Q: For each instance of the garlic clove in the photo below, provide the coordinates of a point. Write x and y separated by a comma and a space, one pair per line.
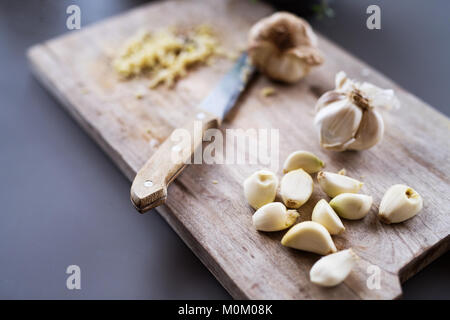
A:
274, 217
351, 206
370, 131
324, 214
309, 236
333, 269
284, 47
260, 188
399, 203
334, 184
295, 188
327, 98
338, 123
303, 160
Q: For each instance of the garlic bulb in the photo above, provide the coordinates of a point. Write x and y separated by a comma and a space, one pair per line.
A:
274, 217
331, 270
295, 188
347, 117
303, 160
260, 188
399, 203
352, 206
309, 236
284, 47
324, 214
334, 184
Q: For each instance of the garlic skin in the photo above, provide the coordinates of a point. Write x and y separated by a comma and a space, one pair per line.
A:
284, 47
260, 188
333, 269
351, 206
274, 217
295, 188
324, 214
309, 236
399, 203
303, 160
334, 184
347, 118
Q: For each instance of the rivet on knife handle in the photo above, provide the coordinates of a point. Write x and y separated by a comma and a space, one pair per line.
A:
149, 188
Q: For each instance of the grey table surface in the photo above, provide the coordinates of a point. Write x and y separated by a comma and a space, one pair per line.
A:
63, 202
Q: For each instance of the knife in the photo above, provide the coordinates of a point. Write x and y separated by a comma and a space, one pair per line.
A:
149, 188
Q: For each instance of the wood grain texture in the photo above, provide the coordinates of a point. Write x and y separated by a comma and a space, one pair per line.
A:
214, 219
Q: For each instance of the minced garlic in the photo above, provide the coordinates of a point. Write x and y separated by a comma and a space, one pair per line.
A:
165, 55
268, 91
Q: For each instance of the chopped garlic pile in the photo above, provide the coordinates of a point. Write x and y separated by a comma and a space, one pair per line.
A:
165, 55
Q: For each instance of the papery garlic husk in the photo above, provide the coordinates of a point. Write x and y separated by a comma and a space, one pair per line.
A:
303, 160
347, 117
260, 188
352, 206
295, 188
309, 236
331, 270
334, 184
399, 203
324, 214
274, 217
284, 47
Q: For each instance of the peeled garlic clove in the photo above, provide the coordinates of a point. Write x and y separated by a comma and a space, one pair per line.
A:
284, 47
296, 187
399, 203
324, 214
274, 217
303, 160
334, 184
351, 206
260, 188
309, 236
331, 270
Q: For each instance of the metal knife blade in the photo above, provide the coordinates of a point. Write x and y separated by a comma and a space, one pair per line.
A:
223, 97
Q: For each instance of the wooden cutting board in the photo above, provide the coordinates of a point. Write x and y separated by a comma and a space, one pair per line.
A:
214, 219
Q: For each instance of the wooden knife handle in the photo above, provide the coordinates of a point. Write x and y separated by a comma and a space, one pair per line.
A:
149, 188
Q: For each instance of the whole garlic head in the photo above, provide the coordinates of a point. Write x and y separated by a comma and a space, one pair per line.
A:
260, 188
347, 117
284, 47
